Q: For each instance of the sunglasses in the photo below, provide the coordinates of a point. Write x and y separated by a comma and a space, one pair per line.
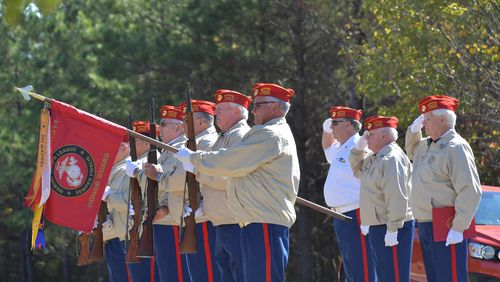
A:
257, 104
335, 122
164, 123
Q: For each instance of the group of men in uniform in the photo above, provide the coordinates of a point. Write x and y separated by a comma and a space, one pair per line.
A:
372, 180
249, 179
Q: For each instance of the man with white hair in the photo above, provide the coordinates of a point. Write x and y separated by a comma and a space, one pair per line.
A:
263, 180
444, 175
231, 117
341, 190
385, 174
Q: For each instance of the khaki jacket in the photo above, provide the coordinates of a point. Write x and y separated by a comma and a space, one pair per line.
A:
385, 186
117, 202
214, 187
168, 164
444, 174
263, 174
173, 178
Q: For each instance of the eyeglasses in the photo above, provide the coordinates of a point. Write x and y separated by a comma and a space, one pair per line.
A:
164, 123
335, 122
256, 105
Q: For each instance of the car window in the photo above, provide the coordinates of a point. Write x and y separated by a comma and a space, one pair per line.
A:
488, 212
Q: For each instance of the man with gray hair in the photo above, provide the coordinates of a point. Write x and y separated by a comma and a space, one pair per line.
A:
341, 190
263, 180
385, 174
231, 117
444, 175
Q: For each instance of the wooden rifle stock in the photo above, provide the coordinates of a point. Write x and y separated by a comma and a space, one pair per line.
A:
145, 249
83, 254
97, 244
188, 240
135, 197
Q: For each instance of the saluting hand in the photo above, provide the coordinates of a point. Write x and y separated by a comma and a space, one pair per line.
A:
327, 125
417, 124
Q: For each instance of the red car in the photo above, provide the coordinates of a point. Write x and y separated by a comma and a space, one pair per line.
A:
484, 249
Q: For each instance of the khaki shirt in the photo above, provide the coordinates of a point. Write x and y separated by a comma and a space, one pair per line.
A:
385, 186
168, 164
263, 173
214, 187
173, 179
117, 202
444, 174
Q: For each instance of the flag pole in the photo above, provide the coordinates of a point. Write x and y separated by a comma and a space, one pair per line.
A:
27, 93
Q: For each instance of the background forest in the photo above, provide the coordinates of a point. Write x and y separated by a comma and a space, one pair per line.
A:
110, 57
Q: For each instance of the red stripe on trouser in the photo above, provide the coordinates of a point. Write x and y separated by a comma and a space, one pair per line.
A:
207, 252
267, 248
152, 269
453, 263
363, 248
395, 261
177, 253
128, 273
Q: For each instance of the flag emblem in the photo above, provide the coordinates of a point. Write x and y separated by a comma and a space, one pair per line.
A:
73, 171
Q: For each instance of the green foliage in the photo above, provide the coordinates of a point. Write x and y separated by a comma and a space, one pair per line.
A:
110, 57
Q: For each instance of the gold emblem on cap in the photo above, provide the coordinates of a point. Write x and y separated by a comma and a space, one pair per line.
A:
265, 91
369, 125
423, 108
334, 114
256, 92
219, 97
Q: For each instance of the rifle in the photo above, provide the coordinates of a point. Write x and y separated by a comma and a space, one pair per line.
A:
97, 244
188, 236
83, 254
134, 197
145, 249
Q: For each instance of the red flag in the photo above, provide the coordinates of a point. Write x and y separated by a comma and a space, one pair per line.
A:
83, 149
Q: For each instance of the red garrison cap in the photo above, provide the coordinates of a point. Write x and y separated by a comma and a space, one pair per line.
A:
435, 102
142, 127
375, 122
172, 112
345, 112
273, 90
225, 95
201, 106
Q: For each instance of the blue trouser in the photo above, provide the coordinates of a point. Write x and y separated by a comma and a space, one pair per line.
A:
264, 250
392, 262
228, 252
172, 265
442, 263
146, 270
114, 255
202, 264
357, 259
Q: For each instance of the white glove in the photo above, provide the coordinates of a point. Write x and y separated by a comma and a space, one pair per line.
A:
454, 237
107, 191
391, 238
187, 210
364, 229
131, 167
327, 125
96, 222
107, 225
199, 211
417, 124
188, 167
362, 144
184, 155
